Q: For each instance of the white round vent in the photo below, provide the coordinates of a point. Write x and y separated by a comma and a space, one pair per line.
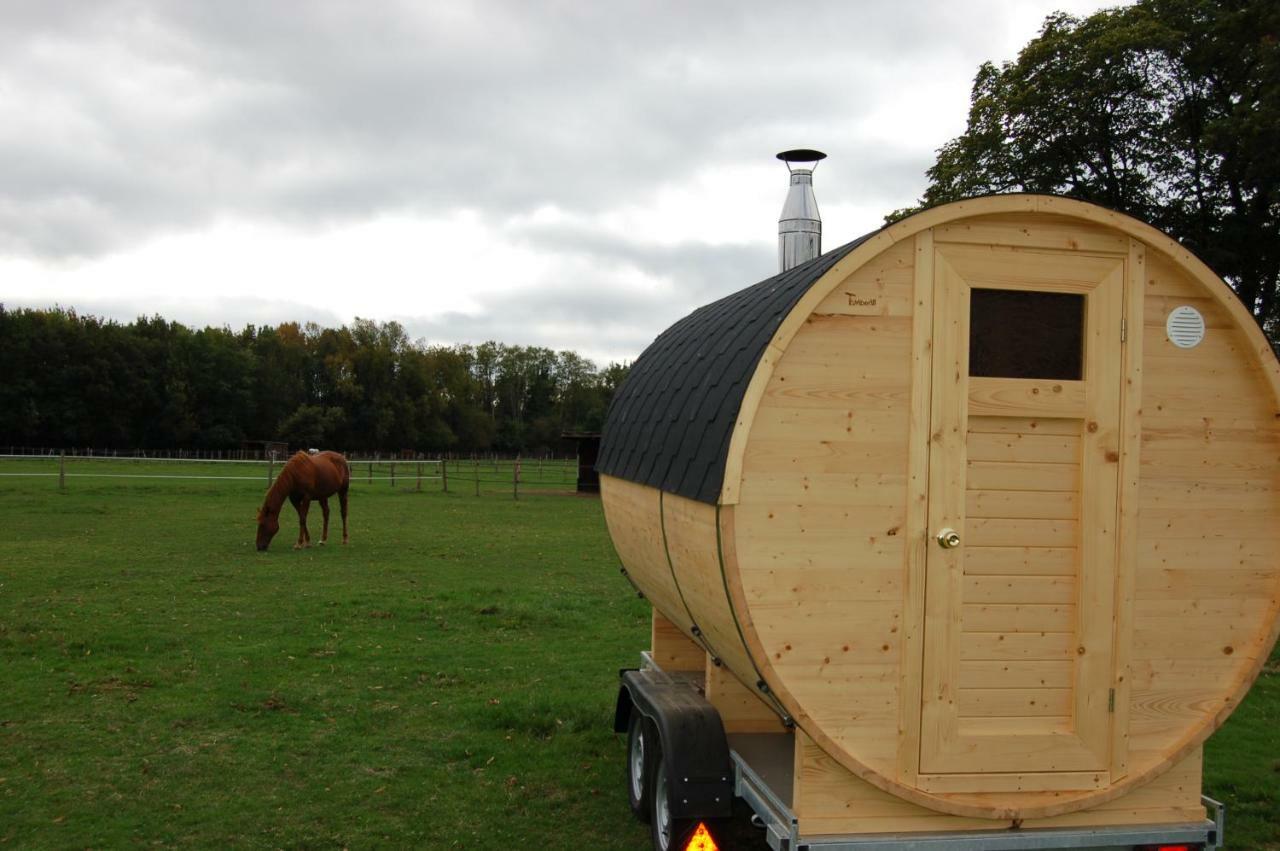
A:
1185, 327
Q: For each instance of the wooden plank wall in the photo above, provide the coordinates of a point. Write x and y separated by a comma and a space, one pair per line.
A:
829, 800
671, 649
695, 558
741, 709
822, 511
1209, 498
632, 515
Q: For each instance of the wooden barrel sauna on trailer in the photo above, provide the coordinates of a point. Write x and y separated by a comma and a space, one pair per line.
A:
976, 514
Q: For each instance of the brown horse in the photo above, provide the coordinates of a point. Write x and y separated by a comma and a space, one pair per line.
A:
304, 478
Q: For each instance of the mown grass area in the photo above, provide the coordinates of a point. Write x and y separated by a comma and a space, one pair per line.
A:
446, 680
1242, 765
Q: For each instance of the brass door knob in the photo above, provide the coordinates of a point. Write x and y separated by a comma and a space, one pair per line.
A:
948, 538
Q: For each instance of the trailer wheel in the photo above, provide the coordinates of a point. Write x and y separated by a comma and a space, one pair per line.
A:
668, 833
641, 745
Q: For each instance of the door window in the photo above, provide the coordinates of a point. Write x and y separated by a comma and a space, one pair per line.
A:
1026, 334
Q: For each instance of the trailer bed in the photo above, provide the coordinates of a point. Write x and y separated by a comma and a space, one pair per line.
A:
763, 777
762, 764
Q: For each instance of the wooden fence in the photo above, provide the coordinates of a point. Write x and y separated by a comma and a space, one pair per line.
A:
475, 475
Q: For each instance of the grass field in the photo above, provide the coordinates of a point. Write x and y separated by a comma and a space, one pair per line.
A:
446, 680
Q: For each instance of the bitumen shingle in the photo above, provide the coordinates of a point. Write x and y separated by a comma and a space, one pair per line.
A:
669, 423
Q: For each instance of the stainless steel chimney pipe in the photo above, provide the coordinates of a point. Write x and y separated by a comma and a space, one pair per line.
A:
800, 225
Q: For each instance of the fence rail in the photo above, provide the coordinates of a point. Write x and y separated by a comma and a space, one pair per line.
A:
475, 475
251, 455
150, 460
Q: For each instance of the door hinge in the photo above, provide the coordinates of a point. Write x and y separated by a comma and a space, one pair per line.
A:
1124, 330
1111, 700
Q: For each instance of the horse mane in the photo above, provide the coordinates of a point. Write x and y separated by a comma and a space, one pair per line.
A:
283, 484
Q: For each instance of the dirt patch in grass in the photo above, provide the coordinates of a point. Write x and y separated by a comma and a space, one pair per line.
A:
127, 690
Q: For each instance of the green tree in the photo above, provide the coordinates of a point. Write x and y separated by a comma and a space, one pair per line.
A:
21, 400
282, 376
153, 384
483, 361
526, 391
312, 426
220, 375
382, 419
453, 419
1168, 110
606, 384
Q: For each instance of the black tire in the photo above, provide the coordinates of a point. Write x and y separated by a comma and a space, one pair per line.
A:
641, 747
668, 834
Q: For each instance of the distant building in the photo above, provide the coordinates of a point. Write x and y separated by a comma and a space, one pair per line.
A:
588, 449
266, 448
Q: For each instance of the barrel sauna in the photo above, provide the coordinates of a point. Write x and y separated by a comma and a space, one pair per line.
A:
982, 505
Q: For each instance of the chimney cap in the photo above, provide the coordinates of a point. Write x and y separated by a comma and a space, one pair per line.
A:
802, 155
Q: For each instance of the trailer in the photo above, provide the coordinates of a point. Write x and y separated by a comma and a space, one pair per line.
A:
667, 713
960, 535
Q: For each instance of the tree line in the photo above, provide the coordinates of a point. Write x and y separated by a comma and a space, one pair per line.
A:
81, 381
1168, 110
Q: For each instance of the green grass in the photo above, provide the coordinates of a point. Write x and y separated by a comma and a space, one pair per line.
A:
1242, 765
446, 680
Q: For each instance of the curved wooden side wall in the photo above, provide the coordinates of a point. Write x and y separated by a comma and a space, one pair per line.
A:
634, 517
669, 546
809, 576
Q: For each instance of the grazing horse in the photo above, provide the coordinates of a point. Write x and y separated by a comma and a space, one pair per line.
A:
304, 478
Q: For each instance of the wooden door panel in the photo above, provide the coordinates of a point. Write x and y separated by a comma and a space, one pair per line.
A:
1023, 397
1019, 617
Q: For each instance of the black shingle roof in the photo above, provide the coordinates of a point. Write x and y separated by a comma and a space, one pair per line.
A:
670, 421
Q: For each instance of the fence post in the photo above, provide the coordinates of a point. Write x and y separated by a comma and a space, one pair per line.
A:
370, 472
444, 472
419, 487
477, 477
62, 471
393, 474
515, 479
271, 463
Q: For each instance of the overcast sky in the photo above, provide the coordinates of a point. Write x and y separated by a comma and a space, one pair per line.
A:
566, 174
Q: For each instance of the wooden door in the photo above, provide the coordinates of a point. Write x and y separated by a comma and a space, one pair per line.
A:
1025, 431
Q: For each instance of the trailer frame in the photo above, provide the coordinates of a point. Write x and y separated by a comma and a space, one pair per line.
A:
762, 774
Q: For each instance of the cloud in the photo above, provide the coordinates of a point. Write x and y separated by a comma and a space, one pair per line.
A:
450, 280
457, 158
